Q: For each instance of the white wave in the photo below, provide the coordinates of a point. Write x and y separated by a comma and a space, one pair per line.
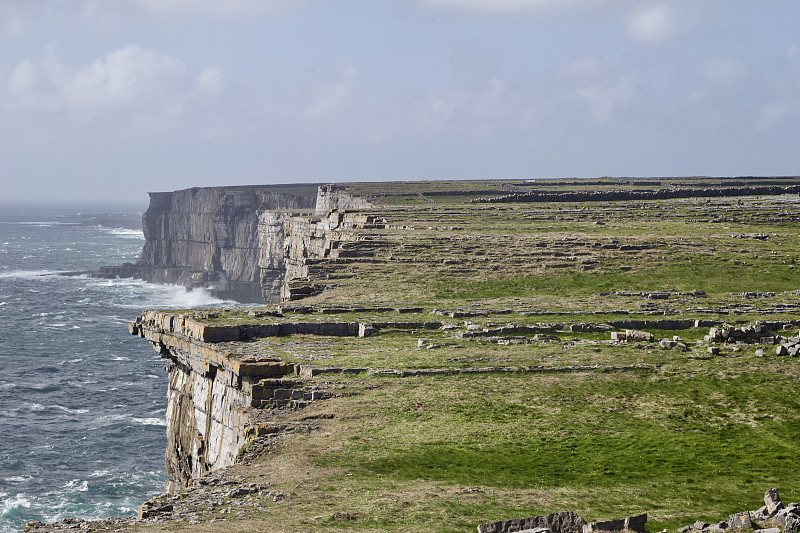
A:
3, 303
150, 421
152, 295
99, 473
198, 297
127, 233
35, 406
76, 485
12, 504
29, 274
17, 479
72, 411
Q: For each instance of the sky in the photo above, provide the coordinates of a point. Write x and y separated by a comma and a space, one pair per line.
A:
105, 100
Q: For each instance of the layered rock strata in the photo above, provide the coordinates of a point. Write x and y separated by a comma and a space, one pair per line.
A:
249, 244
209, 394
215, 394
214, 238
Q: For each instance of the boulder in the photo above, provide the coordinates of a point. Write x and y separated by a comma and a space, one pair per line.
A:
740, 521
563, 522
792, 523
773, 501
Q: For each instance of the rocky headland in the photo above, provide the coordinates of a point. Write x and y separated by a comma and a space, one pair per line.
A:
441, 356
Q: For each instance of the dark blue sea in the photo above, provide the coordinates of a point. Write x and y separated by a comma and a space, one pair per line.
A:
82, 403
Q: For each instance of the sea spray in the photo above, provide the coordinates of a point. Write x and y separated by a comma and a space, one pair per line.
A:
83, 403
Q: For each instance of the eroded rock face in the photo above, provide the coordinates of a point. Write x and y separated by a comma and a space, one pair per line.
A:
205, 421
214, 237
209, 394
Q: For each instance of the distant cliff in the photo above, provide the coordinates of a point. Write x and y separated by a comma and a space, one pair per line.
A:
247, 243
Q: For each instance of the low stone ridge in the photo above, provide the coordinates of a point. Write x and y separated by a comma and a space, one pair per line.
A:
661, 194
631, 523
564, 522
756, 334
773, 517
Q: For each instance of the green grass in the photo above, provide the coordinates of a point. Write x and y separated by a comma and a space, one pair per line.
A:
683, 273
703, 439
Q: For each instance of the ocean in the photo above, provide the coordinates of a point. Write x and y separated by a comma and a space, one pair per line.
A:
82, 402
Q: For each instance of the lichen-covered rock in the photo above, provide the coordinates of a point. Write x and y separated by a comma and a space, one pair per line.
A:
564, 522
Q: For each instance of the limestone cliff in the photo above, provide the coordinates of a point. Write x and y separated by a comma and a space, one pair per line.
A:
213, 238
250, 243
215, 397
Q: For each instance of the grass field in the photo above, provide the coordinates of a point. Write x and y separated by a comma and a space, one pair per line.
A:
685, 436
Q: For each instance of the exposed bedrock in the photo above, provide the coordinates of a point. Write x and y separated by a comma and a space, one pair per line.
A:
210, 395
250, 243
214, 238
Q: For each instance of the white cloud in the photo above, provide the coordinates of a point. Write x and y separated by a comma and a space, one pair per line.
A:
333, 92
583, 68
210, 80
217, 8
605, 99
130, 79
652, 25
774, 113
600, 83
11, 19
478, 110
723, 70
499, 6
16, 15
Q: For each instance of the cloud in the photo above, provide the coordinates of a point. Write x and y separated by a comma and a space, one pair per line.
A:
16, 15
128, 79
652, 25
600, 83
774, 113
498, 7
723, 70
11, 19
215, 8
604, 99
478, 110
332, 93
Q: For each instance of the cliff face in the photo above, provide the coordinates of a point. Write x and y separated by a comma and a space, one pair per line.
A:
250, 244
213, 238
215, 399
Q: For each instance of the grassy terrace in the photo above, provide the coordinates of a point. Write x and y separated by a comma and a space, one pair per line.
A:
685, 436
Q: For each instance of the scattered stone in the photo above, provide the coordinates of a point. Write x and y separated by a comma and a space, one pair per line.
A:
756, 334
631, 523
630, 335
773, 501
740, 521
564, 522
